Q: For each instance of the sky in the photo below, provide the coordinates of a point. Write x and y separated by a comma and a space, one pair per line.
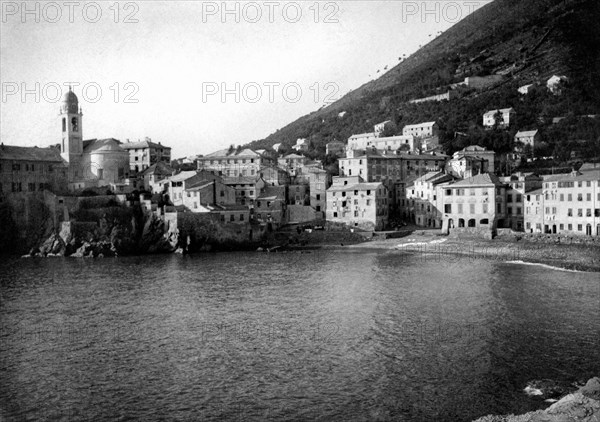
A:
197, 75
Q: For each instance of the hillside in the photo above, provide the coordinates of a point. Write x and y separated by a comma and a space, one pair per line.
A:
526, 41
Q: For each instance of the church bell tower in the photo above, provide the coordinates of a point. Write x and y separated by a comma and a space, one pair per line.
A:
71, 146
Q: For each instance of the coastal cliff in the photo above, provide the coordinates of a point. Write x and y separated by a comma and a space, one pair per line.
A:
106, 226
582, 405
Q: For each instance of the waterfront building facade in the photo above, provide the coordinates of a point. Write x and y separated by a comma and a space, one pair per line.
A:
518, 185
477, 202
423, 204
569, 204
356, 203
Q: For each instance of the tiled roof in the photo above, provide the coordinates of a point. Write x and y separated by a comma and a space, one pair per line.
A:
526, 133
11, 152
143, 144
484, 179
108, 144
565, 177
227, 153
356, 186
158, 168
179, 177
426, 124
241, 180
200, 185
502, 110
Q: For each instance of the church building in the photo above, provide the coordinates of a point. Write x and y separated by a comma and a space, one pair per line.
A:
93, 162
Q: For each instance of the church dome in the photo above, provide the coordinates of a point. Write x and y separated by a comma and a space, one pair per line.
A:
70, 103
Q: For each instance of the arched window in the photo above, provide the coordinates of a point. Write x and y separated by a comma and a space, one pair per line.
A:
461, 222
484, 221
472, 222
64, 124
74, 124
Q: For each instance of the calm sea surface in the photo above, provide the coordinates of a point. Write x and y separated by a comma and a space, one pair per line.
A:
328, 335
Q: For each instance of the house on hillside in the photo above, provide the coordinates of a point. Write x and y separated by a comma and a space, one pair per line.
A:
526, 89
301, 145
555, 84
421, 130
524, 138
505, 117
154, 174
471, 161
335, 148
145, 154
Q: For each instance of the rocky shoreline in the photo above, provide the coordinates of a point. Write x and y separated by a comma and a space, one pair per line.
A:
583, 405
121, 239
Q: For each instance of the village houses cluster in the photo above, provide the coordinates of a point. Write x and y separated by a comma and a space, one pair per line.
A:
382, 179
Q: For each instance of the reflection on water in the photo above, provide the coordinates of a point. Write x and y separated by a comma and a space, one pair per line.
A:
319, 336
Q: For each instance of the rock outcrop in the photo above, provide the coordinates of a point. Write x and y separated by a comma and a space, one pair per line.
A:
582, 406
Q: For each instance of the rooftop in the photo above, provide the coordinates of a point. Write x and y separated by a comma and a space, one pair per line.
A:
484, 179
11, 152
143, 144
355, 186
158, 168
425, 124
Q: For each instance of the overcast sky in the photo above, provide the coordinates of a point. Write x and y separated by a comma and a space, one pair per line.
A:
157, 69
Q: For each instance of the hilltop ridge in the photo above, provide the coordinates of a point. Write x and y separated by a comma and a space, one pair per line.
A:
525, 42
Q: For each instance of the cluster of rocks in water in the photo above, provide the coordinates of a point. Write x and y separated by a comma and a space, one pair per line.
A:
582, 405
109, 239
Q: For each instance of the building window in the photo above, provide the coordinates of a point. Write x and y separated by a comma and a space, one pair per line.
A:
471, 208
448, 208
570, 212
580, 212
570, 227
588, 212
241, 217
569, 197
232, 217
579, 226
509, 210
335, 215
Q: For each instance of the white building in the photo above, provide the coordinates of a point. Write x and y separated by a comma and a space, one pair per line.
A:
421, 130
301, 145
555, 83
506, 117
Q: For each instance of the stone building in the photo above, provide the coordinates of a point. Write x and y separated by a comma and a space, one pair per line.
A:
145, 154
355, 203
568, 204
31, 169
475, 203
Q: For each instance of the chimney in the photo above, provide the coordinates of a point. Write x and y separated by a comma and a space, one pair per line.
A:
214, 192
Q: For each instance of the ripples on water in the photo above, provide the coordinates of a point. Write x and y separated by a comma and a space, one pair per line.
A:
322, 336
